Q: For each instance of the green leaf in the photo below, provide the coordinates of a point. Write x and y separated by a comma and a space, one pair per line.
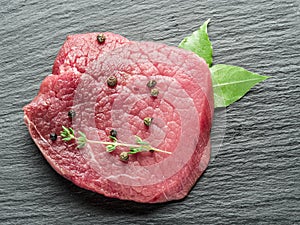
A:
199, 43
71, 131
140, 141
65, 129
67, 133
134, 150
64, 132
82, 134
67, 139
81, 145
81, 140
230, 83
110, 148
114, 139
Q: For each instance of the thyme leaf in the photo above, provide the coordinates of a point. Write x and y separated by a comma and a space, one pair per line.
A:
68, 134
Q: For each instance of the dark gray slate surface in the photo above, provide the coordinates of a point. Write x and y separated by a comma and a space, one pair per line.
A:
255, 177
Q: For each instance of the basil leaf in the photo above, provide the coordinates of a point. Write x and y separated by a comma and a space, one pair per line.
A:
199, 43
230, 83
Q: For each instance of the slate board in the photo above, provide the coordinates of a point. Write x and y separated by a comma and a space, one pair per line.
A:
254, 178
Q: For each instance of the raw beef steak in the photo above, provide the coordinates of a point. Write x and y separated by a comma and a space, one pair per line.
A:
80, 50
182, 114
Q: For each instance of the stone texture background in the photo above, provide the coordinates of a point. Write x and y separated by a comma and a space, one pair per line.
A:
254, 178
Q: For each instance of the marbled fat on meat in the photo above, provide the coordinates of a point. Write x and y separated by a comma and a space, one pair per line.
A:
182, 115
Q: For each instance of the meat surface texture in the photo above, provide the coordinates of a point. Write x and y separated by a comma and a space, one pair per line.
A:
80, 50
182, 116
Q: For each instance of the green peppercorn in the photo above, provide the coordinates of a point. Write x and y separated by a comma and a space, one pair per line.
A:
113, 133
71, 114
124, 156
53, 136
101, 38
154, 92
148, 121
112, 81
151, 83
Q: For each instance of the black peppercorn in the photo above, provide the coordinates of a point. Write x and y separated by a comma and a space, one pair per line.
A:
113, 133
53, 136
71, 114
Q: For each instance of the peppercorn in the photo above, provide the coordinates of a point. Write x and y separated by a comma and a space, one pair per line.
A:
124, 156
148, 121
112, 81
101, 38
154, 92
71, 114
151, 83
113, 133
53, 136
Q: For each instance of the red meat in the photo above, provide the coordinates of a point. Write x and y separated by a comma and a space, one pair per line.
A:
182, 115
80, 50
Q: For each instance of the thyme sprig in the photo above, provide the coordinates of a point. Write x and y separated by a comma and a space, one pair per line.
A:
68, 134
